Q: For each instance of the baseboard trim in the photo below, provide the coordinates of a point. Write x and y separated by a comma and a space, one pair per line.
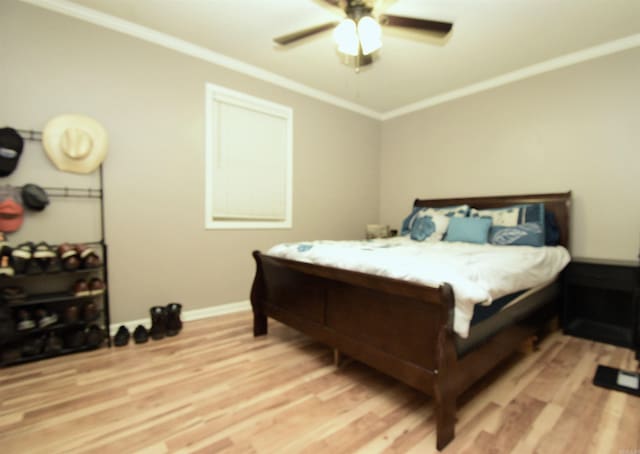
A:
188, 316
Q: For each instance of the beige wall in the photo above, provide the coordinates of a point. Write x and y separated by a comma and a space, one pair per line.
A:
573, 129
570, 129
151, 101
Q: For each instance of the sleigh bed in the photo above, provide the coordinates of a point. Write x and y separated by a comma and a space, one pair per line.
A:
402, 328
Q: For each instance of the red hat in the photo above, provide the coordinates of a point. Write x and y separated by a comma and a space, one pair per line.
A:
11, 215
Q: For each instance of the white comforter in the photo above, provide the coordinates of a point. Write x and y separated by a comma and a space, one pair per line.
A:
478, 273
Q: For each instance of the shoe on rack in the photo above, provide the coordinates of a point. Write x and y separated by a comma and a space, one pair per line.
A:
92, 261
96, 286
158, 322
90, 312
81, 288
24, 321
7, 325
74, 338
70, 314
5, 267
140, 334
68, 257
70, 263
94, 336
88, 256
174, 324
55, 265
33, 346
45, 318
21, 257
53, 344
65, 250
43, 254
11, 353
122, 337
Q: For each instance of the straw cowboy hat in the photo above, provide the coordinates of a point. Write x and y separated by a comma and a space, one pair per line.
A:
75, 143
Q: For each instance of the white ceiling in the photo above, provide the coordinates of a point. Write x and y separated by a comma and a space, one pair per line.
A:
491, 40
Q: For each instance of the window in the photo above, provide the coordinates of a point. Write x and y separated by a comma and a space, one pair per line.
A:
249, 160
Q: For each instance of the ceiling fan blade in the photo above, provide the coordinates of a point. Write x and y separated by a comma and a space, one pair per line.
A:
419, 24
295, 36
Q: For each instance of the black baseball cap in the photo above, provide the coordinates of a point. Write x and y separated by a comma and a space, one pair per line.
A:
11, 144
34, 197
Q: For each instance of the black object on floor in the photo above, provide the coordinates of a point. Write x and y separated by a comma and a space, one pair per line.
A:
158, 322
122, 336
94, 336
174, 324
140, 334
608, 377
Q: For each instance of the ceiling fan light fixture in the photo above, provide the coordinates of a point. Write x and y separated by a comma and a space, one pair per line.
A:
358, 36
346, 36
370, 35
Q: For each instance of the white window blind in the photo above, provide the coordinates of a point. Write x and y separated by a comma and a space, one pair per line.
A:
249, 168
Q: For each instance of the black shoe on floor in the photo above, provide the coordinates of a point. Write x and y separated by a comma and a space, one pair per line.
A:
174, 324
140, 334
122, 337
158, 322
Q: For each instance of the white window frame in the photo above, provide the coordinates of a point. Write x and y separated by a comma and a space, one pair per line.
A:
215, 96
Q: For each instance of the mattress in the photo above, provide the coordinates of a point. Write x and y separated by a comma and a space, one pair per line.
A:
513, 308
477, 273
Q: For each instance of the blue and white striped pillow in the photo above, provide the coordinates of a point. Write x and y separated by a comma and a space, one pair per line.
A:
522, 225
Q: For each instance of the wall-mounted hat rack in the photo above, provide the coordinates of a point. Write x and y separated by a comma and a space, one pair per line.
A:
30, 134
85, 193
82, 193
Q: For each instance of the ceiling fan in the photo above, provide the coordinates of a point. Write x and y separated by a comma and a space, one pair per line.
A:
358, 34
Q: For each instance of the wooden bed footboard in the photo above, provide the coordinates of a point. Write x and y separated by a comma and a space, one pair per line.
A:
401, 328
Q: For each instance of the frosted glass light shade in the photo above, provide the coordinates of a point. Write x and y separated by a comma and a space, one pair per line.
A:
370, 35
346, 36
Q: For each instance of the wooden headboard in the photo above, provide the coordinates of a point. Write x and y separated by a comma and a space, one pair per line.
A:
559, 204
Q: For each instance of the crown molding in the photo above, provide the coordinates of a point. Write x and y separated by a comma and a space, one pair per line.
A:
563, 61
110, 22
71, 9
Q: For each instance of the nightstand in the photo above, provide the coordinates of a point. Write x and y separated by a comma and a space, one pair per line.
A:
602, 301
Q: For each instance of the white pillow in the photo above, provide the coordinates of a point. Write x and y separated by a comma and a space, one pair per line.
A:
507, 217
428, 226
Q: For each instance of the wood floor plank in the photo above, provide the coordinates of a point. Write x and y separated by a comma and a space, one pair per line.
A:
216, 388
541, 426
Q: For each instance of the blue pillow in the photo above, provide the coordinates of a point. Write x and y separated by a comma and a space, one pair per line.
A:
469, 230
449, 211
406, 224
527, 234
512, 217
533, 212
422, 228
519, 214
551, 229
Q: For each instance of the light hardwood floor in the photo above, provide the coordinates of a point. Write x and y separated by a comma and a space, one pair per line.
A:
214, 388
